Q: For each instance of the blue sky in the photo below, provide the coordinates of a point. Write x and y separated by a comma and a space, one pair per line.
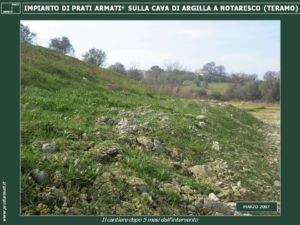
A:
242, 46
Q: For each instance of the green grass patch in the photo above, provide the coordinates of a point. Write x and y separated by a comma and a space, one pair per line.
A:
61, 101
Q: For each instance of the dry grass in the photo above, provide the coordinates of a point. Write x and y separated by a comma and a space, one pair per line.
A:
267, 112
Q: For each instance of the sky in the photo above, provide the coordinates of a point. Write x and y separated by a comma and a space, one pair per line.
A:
241, 46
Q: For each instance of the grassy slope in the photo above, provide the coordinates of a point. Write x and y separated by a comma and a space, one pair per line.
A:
59, 105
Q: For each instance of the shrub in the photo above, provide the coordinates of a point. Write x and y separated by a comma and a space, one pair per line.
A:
134, 74
26, 34
117, 67
247, 91
62, 45
201, 92
270, 87
216, 95
95, 56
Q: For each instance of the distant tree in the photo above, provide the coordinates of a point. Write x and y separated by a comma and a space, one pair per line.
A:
117, 67
156, 69
242, 78
209, 68
134, 73
220, 70
175, 75
232, 92
270, 87
198, 80
213, 72
250, 91
244, 91
155, 74
26, 34
95, 56
62, 45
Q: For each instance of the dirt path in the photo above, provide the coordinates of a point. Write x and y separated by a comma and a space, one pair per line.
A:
270, 115
266, 112
273, 141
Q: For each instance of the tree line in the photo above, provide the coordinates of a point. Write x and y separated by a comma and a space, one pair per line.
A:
243, 86
64, 46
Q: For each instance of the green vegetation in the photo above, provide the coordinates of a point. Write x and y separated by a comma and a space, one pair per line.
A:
121, 148
190, 87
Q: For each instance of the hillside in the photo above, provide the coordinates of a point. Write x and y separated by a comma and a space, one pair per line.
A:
94, 142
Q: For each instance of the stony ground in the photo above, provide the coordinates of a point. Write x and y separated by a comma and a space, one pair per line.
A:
209, 188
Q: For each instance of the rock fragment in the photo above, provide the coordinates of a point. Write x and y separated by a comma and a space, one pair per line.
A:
216, 146
49, 147
152, 145
200, 171
128, 126
214, 206
138, 184
39, 176
146, 142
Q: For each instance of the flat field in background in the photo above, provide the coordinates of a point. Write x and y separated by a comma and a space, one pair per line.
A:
189, 86
267, 112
